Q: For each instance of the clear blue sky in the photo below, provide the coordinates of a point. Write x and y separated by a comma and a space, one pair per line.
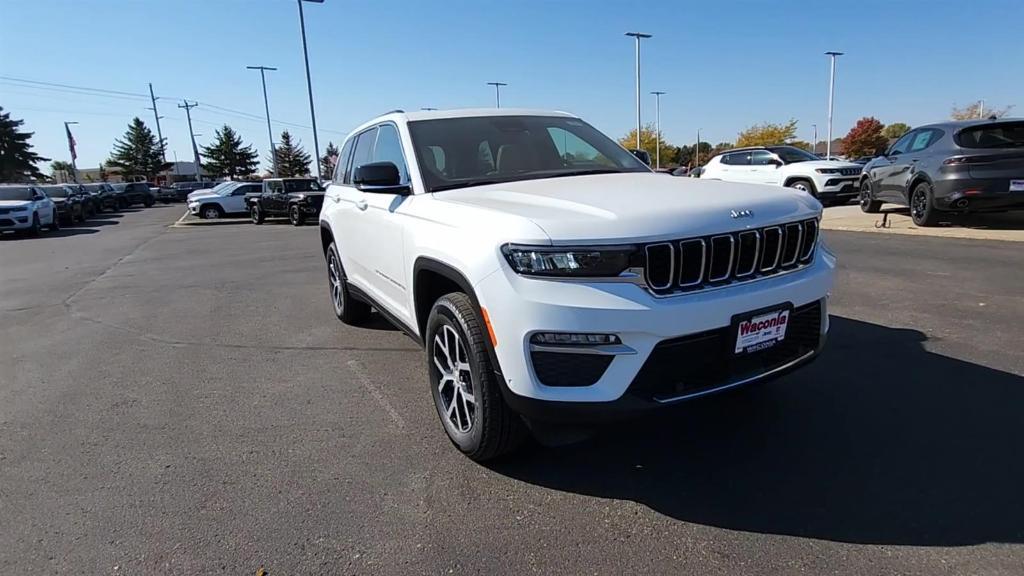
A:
725, 65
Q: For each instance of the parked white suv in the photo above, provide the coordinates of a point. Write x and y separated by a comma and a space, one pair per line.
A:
26, 208
552, 276
223, 200
829, 181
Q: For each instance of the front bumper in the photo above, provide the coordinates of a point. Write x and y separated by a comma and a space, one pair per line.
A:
519, 306
836, 187
193, 208
16, 221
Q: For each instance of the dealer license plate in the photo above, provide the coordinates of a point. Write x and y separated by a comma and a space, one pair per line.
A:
1016, 185
762, 331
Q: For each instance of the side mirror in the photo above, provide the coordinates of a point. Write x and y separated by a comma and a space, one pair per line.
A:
775, 162
379, 177
642, 155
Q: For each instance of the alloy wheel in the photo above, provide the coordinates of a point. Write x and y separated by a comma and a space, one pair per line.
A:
919, 203
211, 214
337, 288
454, 379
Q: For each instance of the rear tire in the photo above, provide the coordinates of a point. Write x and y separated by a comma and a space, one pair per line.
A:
295, 216
867, 201
55, 221
81, 214
346, 308
256, 214
148, 203
463, 384
922, 210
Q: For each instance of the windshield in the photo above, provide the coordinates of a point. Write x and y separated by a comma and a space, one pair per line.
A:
1001, 135
56, 191
15, 193
790, 154
460, 152
302, 186
119, 187
226, 188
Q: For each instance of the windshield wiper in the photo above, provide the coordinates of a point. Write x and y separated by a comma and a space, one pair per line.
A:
465, 184
580, 173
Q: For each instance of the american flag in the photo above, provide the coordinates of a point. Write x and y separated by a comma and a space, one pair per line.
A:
71, 143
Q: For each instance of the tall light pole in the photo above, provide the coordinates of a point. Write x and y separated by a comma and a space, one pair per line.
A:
309, 82
696, 151
195, 149
638, 36
157, 117
71, 149
497, 92
266, 106
814, 140
831, 93
657, 127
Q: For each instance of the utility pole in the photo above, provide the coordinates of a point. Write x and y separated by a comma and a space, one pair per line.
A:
309, 83
71, 148
497, 92
195, 150
696, 152
157, 117
266, 106
981, 109
831, 92
657, 126
638, 36
814, 140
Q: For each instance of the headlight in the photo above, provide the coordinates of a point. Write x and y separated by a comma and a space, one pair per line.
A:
577, 261
827, 170
19, 209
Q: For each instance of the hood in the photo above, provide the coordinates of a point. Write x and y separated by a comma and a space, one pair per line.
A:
14, 203
637, 207
827, 164
202, 194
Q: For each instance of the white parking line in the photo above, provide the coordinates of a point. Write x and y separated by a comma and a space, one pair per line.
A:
177, 223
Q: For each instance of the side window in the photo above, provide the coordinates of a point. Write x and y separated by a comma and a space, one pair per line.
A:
389, 149
761, 158
737, 159
275, 186
364, 149
573, 150
341, 167
901, 145
924, 139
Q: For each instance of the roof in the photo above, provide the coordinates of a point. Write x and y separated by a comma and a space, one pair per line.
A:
416, 115
968, 123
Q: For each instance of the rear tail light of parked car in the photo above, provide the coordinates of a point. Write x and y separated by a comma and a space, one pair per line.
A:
677, 266
962, 160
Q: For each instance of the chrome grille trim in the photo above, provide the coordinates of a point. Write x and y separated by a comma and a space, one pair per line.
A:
715, 256
700, 269
671, 265
778, 249
810, 231
785, 240
739, 253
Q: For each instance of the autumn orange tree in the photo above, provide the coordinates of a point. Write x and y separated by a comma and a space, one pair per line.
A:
865, 138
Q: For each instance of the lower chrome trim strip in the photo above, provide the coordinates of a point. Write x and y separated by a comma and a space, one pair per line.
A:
785, 366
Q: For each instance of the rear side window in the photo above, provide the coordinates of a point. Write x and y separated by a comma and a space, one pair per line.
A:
995, 135
925, 138
761, 158
737, 159
364, 149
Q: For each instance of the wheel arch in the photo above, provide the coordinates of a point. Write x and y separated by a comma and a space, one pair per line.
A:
326, 236
790, 179
206, 205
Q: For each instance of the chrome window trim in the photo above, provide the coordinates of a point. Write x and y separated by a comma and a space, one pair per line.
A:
757, 247
671, 265
703, 261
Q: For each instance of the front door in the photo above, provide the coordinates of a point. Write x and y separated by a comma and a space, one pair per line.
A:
764, 168
892, 173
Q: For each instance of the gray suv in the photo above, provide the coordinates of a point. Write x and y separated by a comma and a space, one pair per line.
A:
953, 167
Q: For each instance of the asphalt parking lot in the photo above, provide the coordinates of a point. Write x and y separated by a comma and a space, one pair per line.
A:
182, 400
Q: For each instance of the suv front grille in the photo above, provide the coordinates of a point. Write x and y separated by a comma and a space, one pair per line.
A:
850, 171
697, 263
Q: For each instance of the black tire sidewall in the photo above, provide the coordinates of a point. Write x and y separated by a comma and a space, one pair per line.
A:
445, 313
928, 217
255, 215
295, 215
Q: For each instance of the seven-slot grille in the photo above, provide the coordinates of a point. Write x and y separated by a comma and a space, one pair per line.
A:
697, 263
850, 171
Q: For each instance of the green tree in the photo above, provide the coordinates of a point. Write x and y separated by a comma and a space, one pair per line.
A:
228, 156
17, 160
648, 142
328, 161
865, 138
292, 160
767, 134
977, 110
895, 130
61, 170
138, 153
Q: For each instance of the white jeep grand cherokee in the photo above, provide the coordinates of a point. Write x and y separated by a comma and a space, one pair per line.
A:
551, 276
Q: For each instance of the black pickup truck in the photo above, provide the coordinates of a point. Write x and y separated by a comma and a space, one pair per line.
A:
296, 198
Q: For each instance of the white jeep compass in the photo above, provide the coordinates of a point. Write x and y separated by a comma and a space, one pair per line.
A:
551, 276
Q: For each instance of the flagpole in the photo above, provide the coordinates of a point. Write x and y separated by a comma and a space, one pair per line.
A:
71, 148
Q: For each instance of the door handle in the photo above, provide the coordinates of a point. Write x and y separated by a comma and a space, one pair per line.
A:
336, 198
361, 204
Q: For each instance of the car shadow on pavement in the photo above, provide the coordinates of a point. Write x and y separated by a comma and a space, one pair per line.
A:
879, 442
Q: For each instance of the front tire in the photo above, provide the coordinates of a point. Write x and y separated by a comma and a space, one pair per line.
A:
346, 308
256, 214
867, 201
54, 221
211, 212
295, 216
463, 383
922, 210
805, 185
37, 227
148, 202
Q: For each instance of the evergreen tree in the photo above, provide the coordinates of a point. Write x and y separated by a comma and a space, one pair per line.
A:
328, 161
138, 153
17, 160
292, 160
228, 156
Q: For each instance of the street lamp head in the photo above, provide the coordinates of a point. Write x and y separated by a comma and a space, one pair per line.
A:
638, 35
314, 1
658, 93
260, 68
497, 84
833, 53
